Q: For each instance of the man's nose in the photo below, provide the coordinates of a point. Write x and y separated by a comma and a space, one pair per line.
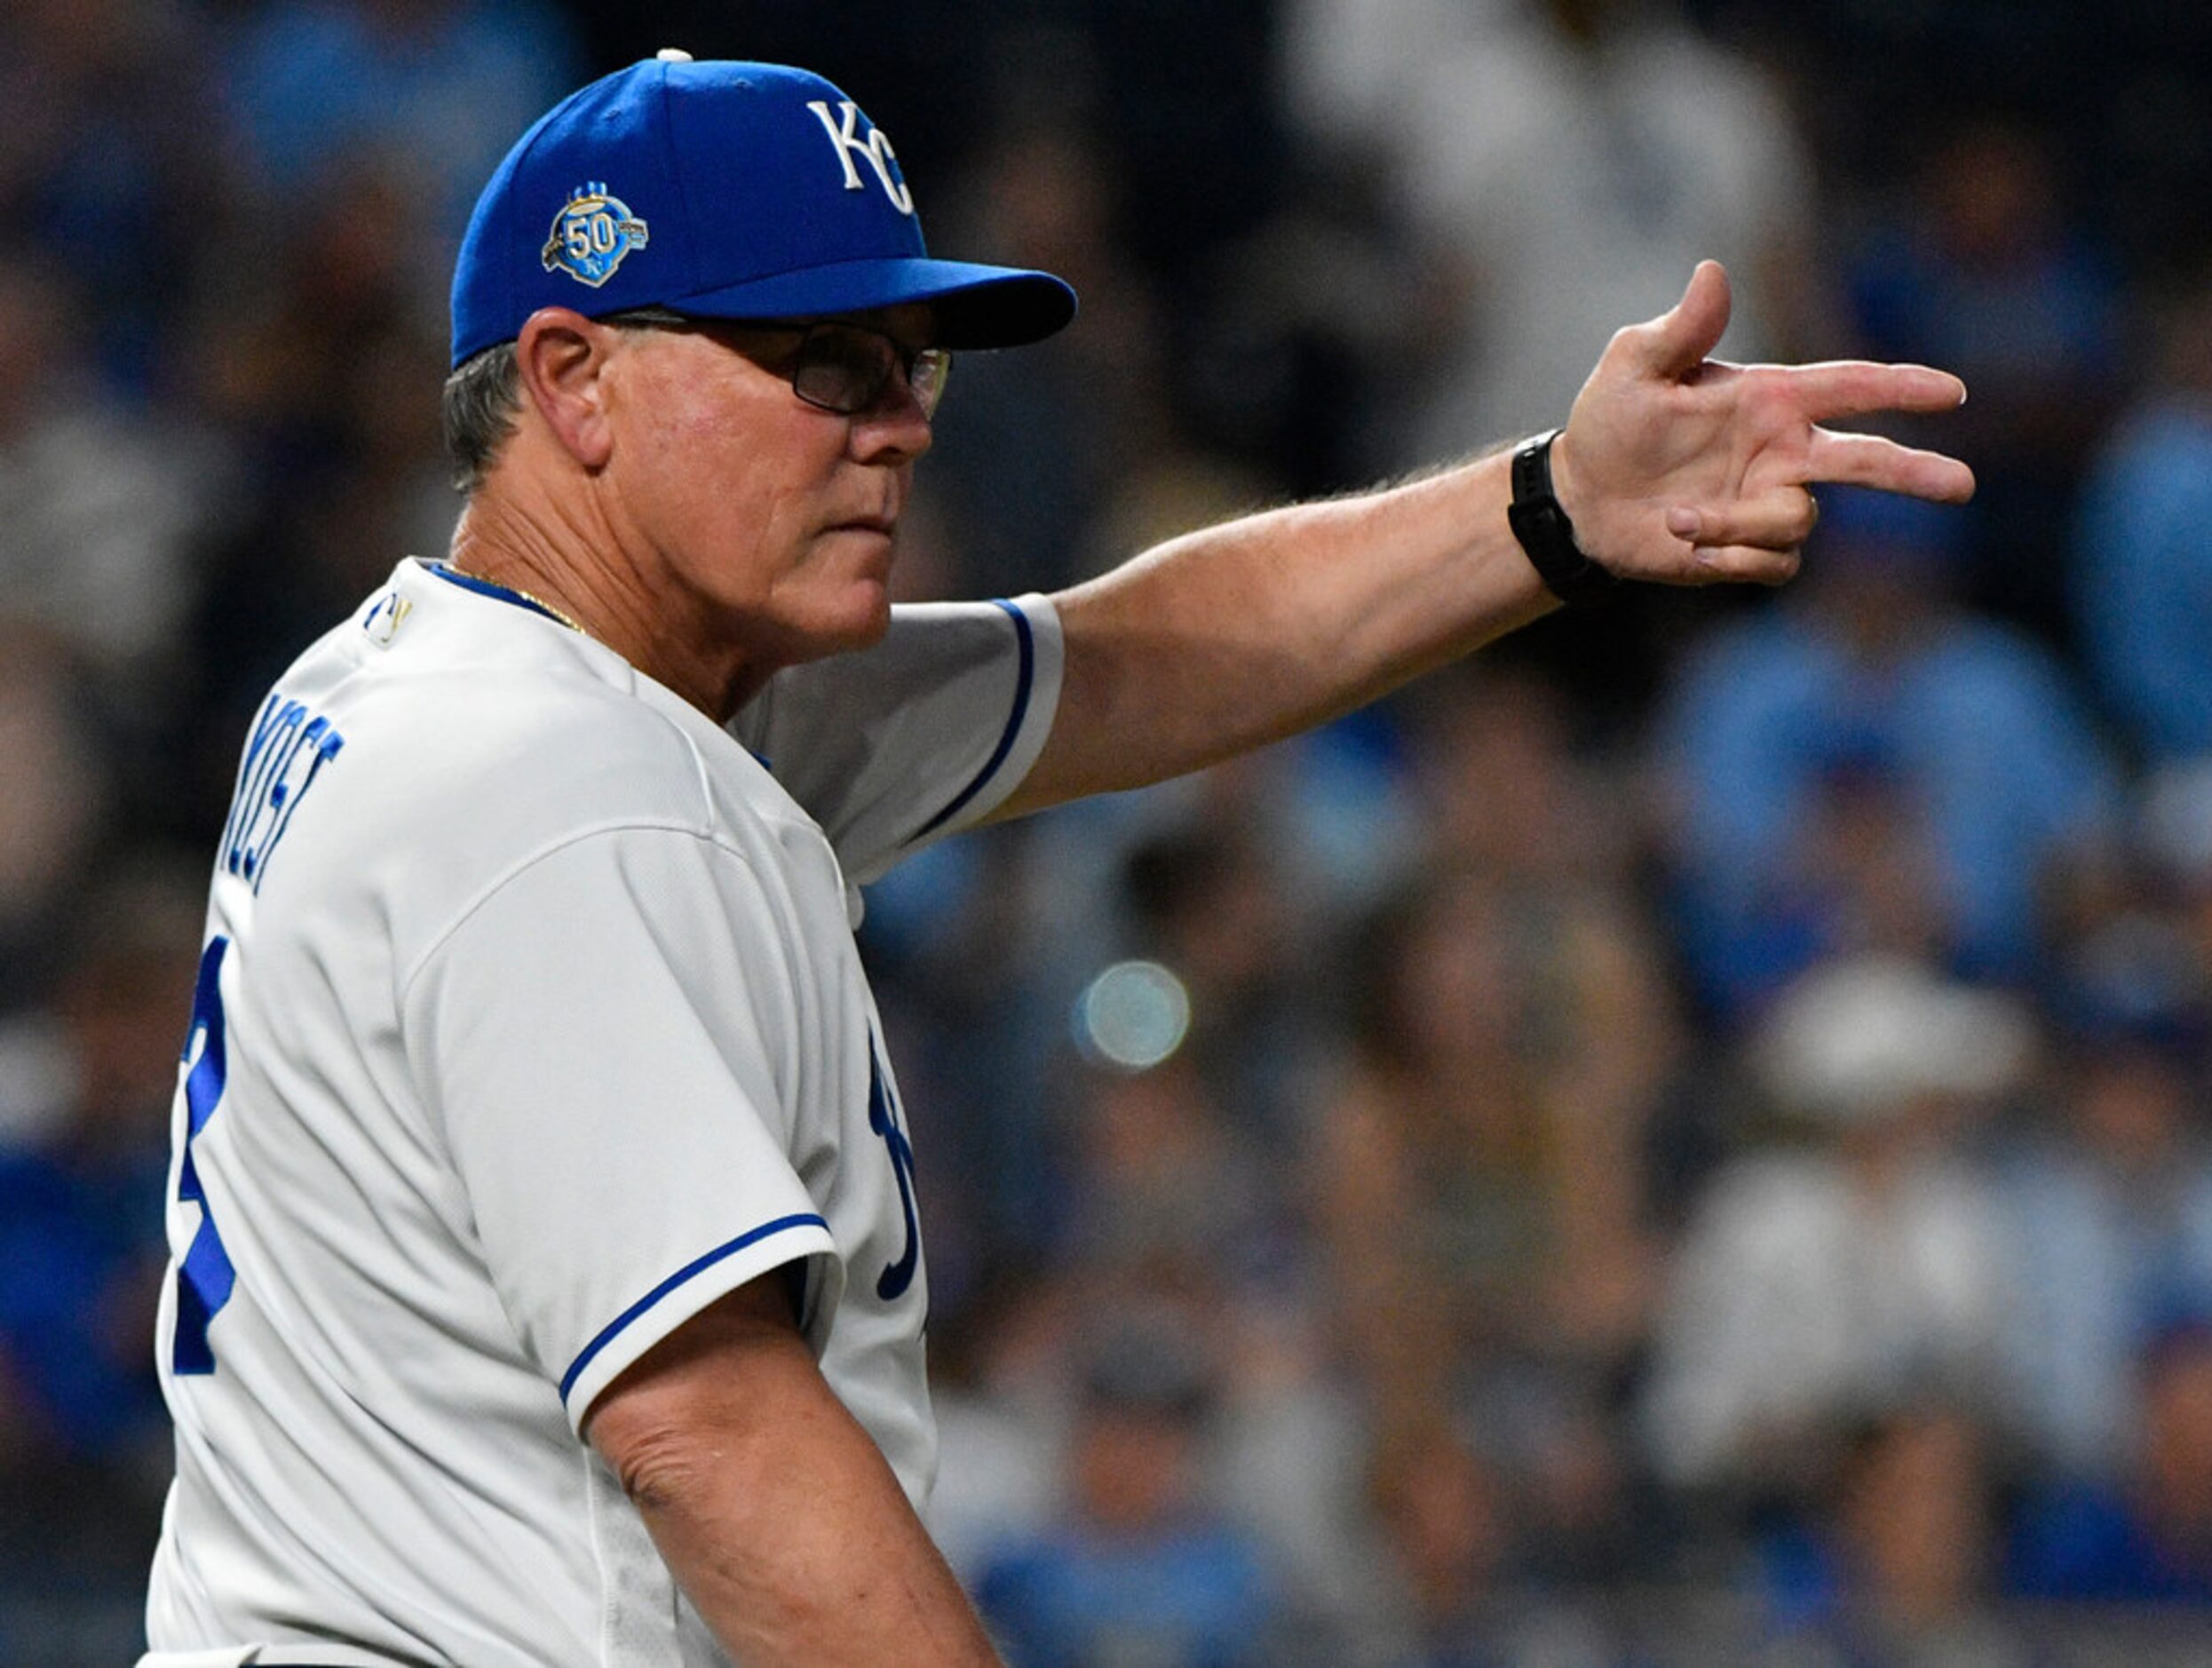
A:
895, 425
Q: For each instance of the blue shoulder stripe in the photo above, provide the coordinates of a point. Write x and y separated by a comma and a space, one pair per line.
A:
1024, 677
613, 1328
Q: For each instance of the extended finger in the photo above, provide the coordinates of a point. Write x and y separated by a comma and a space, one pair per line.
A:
1679, 339
1854, 387
1780, 519
1874, 460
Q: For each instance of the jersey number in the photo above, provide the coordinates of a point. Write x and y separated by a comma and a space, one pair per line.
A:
883, 1117
204, 1277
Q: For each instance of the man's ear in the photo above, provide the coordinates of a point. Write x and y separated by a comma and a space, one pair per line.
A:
561, 356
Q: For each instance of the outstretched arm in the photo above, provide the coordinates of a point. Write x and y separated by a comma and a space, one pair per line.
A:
1672, 468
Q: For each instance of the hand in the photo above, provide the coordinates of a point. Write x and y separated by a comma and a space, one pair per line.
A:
1683, 470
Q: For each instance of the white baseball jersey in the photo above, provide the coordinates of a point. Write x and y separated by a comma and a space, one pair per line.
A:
530, 1021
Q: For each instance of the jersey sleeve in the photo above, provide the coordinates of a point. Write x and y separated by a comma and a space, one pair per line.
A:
925, 734
609, 1044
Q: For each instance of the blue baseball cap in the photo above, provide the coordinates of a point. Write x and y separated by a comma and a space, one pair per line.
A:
724, 190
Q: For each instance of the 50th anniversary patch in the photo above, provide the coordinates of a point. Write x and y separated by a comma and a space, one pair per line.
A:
591, 235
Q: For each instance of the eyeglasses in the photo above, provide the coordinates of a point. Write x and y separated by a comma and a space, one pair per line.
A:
846, 368
837, 366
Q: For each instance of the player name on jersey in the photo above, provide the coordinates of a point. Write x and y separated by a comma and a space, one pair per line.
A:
287, 749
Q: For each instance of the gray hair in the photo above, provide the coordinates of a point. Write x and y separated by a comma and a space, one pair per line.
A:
481, 400
483, 397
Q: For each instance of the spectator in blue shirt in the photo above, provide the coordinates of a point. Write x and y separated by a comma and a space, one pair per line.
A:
1865, 739
2143, 572
1138, 1569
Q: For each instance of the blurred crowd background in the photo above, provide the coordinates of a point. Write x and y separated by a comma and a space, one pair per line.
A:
1683, 1141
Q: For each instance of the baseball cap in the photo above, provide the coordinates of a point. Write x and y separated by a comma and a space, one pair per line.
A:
1855, 1041
724, 190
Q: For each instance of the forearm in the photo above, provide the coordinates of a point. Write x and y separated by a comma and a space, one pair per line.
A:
816, 1557
777, 1514
1245, 632
1674, 468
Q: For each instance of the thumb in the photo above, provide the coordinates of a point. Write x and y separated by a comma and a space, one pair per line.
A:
1676, 342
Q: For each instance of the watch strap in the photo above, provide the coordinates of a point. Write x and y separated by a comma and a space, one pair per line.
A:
1546, 534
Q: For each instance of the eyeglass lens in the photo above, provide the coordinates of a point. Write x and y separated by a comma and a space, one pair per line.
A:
845, 368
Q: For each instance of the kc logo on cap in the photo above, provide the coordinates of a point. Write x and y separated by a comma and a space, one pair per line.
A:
876, 147
591, 235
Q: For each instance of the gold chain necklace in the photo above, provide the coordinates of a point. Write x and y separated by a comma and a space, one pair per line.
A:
535, 601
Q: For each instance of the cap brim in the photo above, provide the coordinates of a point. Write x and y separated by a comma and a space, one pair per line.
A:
977, 306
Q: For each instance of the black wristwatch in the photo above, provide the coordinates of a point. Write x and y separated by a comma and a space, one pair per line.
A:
1547, 535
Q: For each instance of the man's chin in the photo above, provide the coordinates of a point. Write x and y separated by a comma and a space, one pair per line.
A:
871, 630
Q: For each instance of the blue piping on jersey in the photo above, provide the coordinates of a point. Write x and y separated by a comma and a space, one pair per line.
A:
608, 1333
1022, 681
497, 593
